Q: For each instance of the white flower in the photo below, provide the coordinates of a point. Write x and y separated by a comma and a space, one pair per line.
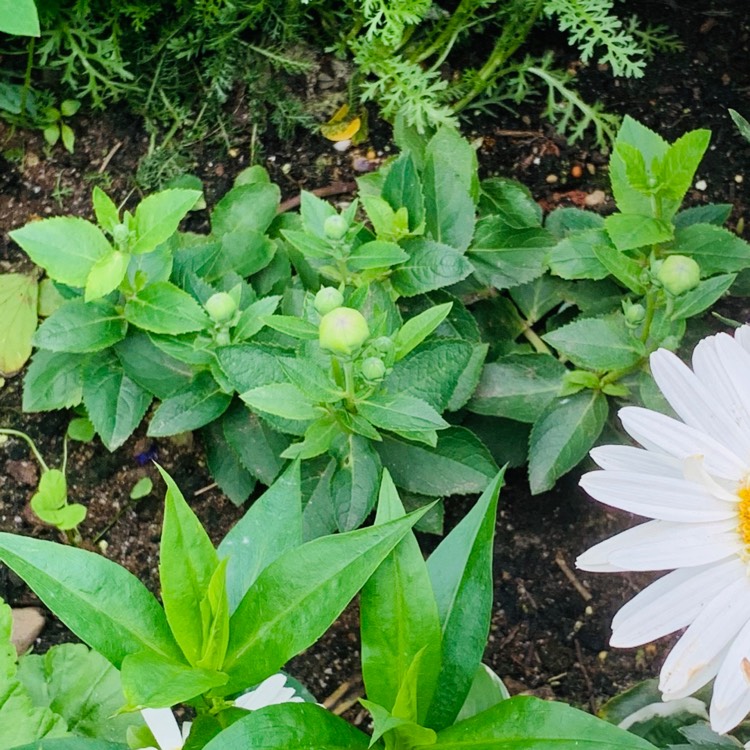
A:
693, 479
271, 691
164, 727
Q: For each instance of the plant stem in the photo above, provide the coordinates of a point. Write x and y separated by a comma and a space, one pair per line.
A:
451, 29
533, 338
29, 441
27, 75
349, 381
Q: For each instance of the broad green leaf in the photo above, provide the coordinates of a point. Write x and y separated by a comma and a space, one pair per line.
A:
18, 311
298, 328
518, 386
401, 732
597, 343
469, 379
536, 299
66, 247
574, 257
563, 435
402, 187
280, 399
354, 485
625, 269
681, 162
450, 151
526, 723
302, 726
19, 17
115, 404
247, 207
72, 743
297, 597
80, 327
458, 465
200, 403
54, 380
449, 208
107, 215
187, 561
308, 244
400, 411
629, 231
319, 435
50, 502
567, 221
158, 216
214, 610
431, 265
398, 616
415, 330
711, 213
511, 202
250, 365
244, 252
703, 296
741, 122
81, 686
375, 254
318, 517
388, 225
152, 267
487, 690
716, 250
311, 380
150, 680
102, 603
235, 481
271, 526
106, 274
461, 574
164, 308
253, 317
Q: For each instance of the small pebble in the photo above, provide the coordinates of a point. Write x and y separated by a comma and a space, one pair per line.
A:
595, 198
27, 624
286, 168
576, 171
701, 185
552, 178
738, 178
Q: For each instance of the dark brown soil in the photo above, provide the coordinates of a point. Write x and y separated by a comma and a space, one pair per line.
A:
550, 625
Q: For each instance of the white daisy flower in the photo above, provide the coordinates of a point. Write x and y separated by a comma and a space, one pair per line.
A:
692, 477
271, 691
164, 727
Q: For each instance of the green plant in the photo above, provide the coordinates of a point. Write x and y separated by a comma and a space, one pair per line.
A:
19, 17
56, 128
50, 501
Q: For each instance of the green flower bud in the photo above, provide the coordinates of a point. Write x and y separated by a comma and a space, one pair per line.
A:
634, 314
328, 298
335, 227
221, 307
121, 235
373, 368
343, 330
678, 274
382, 344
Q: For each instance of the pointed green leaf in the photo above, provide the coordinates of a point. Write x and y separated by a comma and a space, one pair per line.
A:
487, 690
431, 265
629, 231
158, 216
402, 187
415, 330
164, 308
681, 162
106, 274
19, 17
625, 269
80, 327
716, 250
18, 311
703, 296
281, 399
354, 485
575, 257
105, 209
54, 380
400, 411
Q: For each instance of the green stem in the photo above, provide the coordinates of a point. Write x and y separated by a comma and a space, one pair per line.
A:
451, 29
27, 75
533, 338
349, 382
29, 441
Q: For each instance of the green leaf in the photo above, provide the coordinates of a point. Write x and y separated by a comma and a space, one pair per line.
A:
505, 256
80, 327
712, 213
302, 726
487, 690
115, 404
50, 502
158, 216
311, 380
681, 162
106, 274
244, 252
535, 300
626, 270
401, 732
563, 222
703, 296
247, 207
271, 526
511, 202
81, 686
461, 574
399, 617
563, 435
375, 254
354, 485
402, 187
597, 343
81, 429
431, 265
318, 437
629, 231
66, 247
105, 209
298, 328
236, 482
523, 722
575, 256
458, 465
280, 399
18, 311
19, 17
518, 386
200, 403
297, 597
716, 250
164, 308
54, 380
449, 208
415, 330
453, 153
187, 561
71, 743
101, 602
150, 680
400, 411
253, 317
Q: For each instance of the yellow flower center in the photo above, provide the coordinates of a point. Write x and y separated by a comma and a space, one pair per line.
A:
743, 515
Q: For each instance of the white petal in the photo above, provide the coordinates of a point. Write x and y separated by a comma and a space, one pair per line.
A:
742, 335
266, 694
693, 401
657, 431
163, 726
662, 498
731, 695
663, 545
695, 658
628, 458
672, 602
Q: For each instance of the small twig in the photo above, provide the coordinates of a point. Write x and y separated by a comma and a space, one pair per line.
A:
571, 576
108, 158
336, 694
344, 706
519, 133
204, 490
586, 677
335, 188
